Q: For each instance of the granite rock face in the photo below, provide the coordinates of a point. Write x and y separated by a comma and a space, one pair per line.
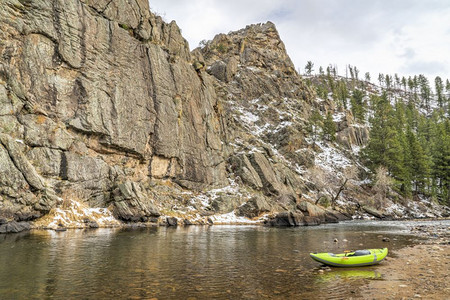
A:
95, 95
267, 105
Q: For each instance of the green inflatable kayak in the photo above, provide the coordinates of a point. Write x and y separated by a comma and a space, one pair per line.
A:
351, 259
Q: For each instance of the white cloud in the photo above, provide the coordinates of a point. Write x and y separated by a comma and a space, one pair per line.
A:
408, 37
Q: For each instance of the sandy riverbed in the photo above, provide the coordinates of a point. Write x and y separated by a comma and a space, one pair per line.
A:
419, 271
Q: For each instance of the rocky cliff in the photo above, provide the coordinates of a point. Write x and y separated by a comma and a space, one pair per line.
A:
98, 100
104, 107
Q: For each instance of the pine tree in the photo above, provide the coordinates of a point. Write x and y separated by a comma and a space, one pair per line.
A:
376, 148
381, 79
425, 91
314, 124
356, 71
419, 165
388, 81
404, 82
352, 74
367, 76
397, 81
342, 93
330, 79
447, 89
329, 128
309, 67
384, 147
358, 107
439, 86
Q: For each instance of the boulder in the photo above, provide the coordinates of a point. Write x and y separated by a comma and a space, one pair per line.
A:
311, 221
14, 227
47, 161
310, 209
20, 161
330, 217
253, 207
224, 204
171, 221
374, 212
224, 70
287, 218
80, 168
286, 200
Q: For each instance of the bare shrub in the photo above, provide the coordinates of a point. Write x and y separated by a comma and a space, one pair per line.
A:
382, 185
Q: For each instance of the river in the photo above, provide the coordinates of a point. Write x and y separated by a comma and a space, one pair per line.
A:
192, 262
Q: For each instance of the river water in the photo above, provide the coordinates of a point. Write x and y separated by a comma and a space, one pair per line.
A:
194, 262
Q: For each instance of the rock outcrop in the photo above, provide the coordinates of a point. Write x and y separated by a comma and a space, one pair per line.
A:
97, 95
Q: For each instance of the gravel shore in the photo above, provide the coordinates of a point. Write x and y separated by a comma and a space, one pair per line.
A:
419, 271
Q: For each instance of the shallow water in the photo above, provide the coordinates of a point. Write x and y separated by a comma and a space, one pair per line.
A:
196, 262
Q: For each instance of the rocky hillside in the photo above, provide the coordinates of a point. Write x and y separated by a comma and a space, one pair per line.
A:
106, 117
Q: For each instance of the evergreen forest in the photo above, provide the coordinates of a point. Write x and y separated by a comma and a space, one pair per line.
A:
409, 125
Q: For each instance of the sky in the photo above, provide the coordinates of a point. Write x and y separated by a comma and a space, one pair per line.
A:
407, 37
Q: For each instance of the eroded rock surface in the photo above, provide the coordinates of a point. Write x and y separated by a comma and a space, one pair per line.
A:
95, 95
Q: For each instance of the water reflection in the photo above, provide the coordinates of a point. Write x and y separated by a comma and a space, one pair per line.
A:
334, 274
167, 263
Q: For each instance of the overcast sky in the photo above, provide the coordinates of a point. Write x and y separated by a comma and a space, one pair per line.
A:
408, 37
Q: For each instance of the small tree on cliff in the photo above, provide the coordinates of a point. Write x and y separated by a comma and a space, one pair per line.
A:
314, 125
309, 67
329, 128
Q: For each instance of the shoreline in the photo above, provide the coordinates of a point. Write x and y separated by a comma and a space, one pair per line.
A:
416, 271
17, 227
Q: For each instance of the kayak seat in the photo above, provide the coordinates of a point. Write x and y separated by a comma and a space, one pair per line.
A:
360, 253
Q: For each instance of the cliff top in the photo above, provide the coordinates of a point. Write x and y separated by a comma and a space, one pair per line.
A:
257, 45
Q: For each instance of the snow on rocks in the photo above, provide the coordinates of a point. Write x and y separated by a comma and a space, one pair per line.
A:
72, 214
330, 159
232, 218
203, 201
338, 117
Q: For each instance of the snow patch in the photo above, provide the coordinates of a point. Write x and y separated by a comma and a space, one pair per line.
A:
73, 214
330, 158
232, 218
248, 117
337, 117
